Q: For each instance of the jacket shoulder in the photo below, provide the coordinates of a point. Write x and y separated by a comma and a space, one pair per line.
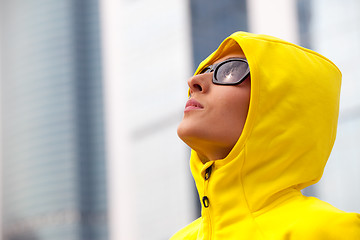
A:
311, 219
323, 221
333, 226
189, 232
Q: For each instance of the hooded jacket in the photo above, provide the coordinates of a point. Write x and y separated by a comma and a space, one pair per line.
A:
254, 193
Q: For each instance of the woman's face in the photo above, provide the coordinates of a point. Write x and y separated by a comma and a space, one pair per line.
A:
216, 114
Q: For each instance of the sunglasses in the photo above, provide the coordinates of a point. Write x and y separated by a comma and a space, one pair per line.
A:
232, 71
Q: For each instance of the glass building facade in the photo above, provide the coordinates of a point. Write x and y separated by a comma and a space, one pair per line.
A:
53, 158
212, 22
54, 176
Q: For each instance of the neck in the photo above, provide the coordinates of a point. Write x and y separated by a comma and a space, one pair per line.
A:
212, 153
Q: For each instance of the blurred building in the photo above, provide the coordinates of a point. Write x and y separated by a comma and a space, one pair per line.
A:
53, 158
62, 89
212, 22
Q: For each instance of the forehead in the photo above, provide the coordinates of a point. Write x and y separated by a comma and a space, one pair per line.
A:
234, 50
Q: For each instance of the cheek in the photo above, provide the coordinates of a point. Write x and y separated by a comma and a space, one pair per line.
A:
234, 104
234, 110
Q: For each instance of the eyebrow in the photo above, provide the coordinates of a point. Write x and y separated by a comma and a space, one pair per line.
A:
219, 62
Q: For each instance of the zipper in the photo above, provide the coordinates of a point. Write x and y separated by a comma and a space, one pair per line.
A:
206, 199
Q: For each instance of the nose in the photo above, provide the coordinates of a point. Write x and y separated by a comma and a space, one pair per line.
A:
200, 83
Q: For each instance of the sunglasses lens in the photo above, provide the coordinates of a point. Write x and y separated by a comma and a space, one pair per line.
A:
231, 72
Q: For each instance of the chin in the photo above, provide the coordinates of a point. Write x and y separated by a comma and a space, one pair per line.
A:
182, 132
191, 135
187, 133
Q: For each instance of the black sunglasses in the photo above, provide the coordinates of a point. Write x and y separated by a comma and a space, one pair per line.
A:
232, 71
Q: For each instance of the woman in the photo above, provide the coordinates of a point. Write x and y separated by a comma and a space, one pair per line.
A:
261, 121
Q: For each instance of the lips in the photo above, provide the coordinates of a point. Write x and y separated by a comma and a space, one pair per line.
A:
192, 104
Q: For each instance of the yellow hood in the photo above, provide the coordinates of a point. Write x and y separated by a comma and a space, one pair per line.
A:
286, 141
292, 120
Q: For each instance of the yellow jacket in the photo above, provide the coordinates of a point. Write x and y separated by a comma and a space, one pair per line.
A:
254, 193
